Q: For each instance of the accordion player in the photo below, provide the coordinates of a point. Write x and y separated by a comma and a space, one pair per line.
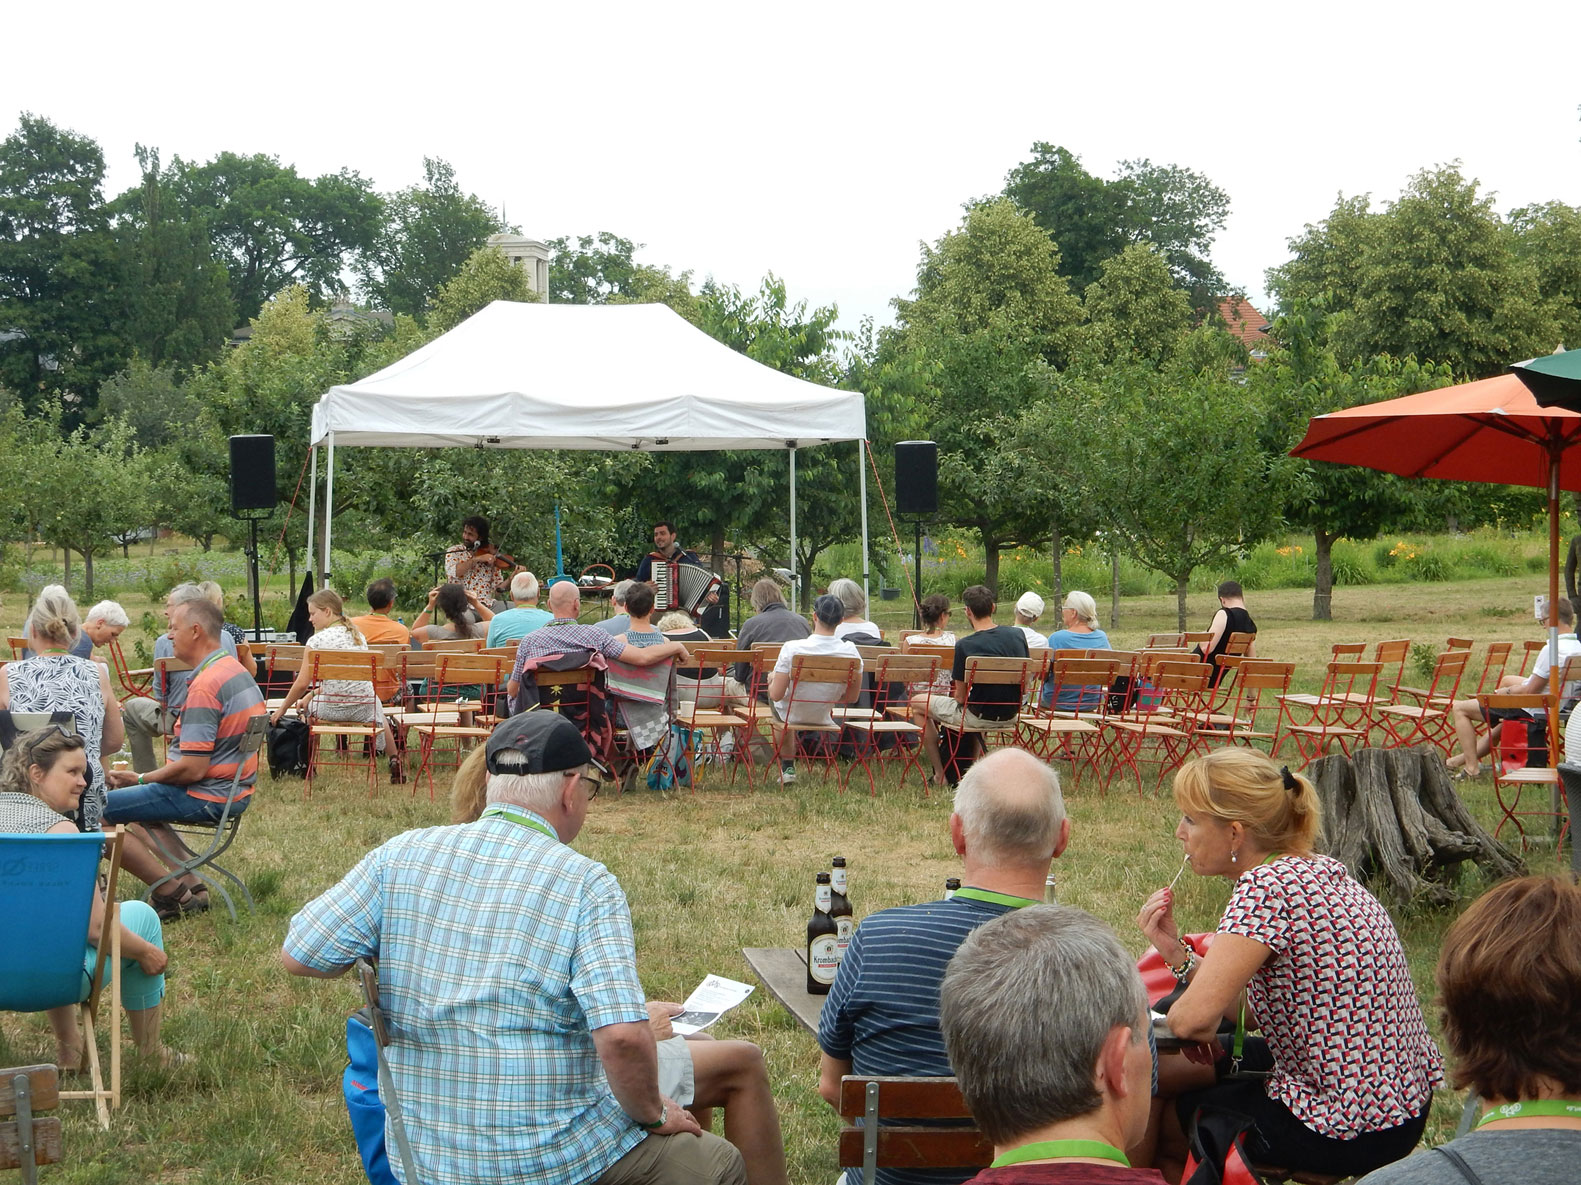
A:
681, 584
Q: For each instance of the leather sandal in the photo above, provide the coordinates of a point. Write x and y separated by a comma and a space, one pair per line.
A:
397, 772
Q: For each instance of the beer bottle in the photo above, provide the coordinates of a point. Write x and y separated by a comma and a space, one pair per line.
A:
950, 886
840, 904
1049, 896
823, 950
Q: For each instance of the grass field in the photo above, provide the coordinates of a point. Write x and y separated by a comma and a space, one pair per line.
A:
706, 874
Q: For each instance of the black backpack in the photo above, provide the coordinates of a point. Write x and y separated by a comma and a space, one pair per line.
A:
287, 746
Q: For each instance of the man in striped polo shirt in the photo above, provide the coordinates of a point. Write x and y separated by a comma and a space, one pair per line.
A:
192, 787
882, 1014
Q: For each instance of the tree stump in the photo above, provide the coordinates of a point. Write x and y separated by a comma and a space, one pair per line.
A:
1393, 815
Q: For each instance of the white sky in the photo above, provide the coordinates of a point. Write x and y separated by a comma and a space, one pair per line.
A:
823, 141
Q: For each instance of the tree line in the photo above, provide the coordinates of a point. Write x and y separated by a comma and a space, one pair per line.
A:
1062, 344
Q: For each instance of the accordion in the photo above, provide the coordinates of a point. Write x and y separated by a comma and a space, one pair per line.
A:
680, 584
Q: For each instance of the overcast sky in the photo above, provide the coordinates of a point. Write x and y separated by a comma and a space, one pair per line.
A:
823, 142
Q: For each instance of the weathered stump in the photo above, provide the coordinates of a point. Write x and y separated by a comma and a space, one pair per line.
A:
1393, 814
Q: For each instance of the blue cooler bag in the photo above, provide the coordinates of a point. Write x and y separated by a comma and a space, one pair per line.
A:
360, 1085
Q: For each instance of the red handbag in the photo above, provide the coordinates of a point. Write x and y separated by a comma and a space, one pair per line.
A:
1218, 1150
1159, 979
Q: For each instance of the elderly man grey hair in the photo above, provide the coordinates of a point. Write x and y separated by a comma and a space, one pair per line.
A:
534, 792
1010, 809
619, 593
109, 612
766, 592
524, 588
1042, 1011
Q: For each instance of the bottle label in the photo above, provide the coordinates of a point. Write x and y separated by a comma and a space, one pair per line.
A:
844, 928
838, 881
823, 957
824, 898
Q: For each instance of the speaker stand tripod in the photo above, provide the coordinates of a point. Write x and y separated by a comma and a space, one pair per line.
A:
252, 567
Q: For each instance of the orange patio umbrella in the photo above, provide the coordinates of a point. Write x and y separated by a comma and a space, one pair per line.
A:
1491, 430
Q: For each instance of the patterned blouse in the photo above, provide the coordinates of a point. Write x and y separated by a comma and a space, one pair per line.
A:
22, 814
1335, 1000
65, 683
349, 700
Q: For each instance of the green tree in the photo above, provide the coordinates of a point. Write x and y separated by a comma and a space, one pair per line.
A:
174, 294
1177, 210
58, 311
600, 269
485, 277
428, 233
151, 399
1435, 276
1134, 309
1548, 238
272, 228
1300, 379
990, 314
1175, 464
95, 488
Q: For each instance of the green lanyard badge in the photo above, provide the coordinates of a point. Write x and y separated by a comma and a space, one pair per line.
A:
513, 814
1055, 1149
993, 898
1532, 1109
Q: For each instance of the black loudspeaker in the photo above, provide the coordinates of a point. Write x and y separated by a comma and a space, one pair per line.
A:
916, 478
252, 473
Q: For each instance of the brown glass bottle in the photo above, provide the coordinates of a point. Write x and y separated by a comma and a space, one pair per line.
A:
823, 942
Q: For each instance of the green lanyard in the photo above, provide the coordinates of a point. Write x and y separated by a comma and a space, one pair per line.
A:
514, 815
1532, 1109
1059, 1149
994, 898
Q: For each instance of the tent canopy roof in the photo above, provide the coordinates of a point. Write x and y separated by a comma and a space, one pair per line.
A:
603, 377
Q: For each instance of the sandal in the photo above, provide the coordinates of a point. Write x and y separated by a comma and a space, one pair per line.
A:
172, 907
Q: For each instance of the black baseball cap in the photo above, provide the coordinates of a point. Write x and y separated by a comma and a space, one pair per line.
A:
537, 742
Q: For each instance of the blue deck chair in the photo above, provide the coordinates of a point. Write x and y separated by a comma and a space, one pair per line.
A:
47, 883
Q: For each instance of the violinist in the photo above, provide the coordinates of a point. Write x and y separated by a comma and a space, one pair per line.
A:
475, 563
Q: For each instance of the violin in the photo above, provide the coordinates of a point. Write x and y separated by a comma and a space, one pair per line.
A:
487, 551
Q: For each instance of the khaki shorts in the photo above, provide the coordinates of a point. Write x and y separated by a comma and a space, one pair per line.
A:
947, 711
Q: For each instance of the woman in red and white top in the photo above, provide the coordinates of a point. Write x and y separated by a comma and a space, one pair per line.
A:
1307, 956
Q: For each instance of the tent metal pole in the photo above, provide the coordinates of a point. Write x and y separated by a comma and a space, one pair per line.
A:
861, 485
795, 575
329, 508
312, 507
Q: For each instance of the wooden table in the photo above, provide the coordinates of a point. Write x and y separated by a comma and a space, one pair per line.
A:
783, 972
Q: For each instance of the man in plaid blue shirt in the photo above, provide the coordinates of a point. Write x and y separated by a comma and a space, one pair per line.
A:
508, 979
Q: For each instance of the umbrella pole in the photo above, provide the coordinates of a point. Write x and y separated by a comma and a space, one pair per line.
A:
1555, 667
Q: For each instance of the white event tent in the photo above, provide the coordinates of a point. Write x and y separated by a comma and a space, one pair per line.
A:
598, 377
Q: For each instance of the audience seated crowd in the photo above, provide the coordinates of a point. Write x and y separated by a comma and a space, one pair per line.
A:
1038, 1010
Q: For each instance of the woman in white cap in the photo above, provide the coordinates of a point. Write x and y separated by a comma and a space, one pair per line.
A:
1028, 609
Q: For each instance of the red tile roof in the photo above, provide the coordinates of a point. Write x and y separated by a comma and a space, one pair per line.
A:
1244, 322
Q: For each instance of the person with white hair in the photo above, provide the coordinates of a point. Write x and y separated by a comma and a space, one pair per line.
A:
1078, 631
523, 1060
1029, 607
524, 616
855, 601
882, 1014
618, 623
101, 625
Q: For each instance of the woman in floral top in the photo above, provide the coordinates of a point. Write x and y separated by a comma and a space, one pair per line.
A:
1307, 956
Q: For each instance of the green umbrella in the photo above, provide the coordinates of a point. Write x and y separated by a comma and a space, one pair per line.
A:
1553, 379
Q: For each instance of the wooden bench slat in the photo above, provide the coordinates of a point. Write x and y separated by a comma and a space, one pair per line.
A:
919, 1148
43, 1081
903, 1097
46, 1142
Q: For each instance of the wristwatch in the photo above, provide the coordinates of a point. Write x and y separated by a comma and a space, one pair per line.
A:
664, 1117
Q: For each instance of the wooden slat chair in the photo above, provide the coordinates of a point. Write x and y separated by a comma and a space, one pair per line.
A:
282, 660
1459, 643
1529, 650
18, 646
870, 710
28, 1139
894, 676
1341, 711
340, 736
204, 843
1069, 725
1181, 698
455, 710
875, 1134
47, 883
1163, 640
1260, 688
389, 685
500, 651
456, 645
1393, 655
1509, 787
1426, 719
1192, 638
710, 717
988, 682
134, 682
565, 689
1348, 652
1493, 666
664, 757
1144, 694
165, 718
789, 739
